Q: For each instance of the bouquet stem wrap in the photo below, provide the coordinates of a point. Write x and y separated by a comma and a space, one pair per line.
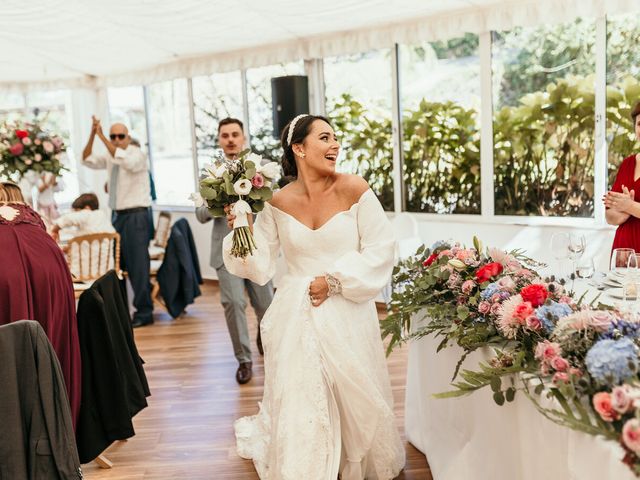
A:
243, 242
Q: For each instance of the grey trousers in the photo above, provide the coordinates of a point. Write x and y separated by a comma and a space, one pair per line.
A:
234, 302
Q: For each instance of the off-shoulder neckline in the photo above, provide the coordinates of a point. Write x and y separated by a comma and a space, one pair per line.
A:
334, 216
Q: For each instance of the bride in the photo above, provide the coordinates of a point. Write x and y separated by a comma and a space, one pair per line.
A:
327, 404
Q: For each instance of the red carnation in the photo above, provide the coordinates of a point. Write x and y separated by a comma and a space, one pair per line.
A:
430, 260
22, 134
484, 274
536, 294
16, 149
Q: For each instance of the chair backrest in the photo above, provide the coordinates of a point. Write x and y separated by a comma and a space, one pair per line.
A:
91, 256
163, 229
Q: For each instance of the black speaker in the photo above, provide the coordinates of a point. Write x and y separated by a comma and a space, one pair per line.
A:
289, 98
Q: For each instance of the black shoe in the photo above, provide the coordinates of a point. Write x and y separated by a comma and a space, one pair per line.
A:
259, 341
244, 373
139, 322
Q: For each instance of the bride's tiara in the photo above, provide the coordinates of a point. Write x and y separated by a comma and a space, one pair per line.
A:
293, 126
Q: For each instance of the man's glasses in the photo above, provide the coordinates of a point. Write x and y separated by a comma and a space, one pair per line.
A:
119, 136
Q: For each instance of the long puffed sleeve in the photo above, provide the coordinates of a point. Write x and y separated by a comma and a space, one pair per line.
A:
364, 273
260, 267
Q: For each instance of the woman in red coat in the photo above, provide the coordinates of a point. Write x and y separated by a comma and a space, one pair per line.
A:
622, 208
35, 284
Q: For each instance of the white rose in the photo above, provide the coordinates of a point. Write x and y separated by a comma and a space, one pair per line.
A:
197, 199
242, 187
269, 170
255, 158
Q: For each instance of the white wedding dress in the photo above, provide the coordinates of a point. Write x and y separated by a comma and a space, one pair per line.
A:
327, 404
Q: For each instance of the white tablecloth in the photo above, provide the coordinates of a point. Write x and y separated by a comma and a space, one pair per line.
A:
472, 438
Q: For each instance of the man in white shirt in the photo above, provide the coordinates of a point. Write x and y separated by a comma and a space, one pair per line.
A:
129, 199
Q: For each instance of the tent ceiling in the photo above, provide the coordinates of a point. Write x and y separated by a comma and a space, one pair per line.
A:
77, 40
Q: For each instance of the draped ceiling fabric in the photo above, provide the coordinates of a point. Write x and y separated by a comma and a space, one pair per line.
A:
95, 43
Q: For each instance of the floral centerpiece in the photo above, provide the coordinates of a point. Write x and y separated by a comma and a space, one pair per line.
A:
29, 147
244, 182
577, 362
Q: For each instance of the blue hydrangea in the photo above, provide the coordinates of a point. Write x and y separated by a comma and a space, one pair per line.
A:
490, 290
610, 362
551, 312
622, 328
440, 244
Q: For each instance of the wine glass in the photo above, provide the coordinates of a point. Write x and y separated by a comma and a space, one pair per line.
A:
630, 283
585, 267
560, 249
577, 246
620, 260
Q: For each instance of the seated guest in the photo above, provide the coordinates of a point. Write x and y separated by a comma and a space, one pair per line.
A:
35, 284
85, 217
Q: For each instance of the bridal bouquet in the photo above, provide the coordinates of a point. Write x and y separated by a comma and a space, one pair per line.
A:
29, 148
243, 182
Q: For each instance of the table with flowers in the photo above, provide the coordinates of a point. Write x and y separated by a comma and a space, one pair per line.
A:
509, 330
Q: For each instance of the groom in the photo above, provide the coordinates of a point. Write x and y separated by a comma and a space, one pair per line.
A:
231, 139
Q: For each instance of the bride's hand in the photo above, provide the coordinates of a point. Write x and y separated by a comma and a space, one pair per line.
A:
318, 291
230, 216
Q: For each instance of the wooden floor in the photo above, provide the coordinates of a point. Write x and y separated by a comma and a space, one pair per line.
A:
186, 432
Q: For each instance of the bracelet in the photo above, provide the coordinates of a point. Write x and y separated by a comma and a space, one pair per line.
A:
335, 287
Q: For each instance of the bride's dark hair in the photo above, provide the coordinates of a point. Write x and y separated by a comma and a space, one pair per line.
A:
300, 132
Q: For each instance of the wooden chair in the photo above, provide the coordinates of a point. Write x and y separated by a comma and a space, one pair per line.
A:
156, 253
91, 256
159, 242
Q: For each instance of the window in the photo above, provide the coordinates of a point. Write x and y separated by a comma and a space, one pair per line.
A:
214, 97
263, 141
440, 98
358, 99
170, 146
623, 87
543, 124
126, 105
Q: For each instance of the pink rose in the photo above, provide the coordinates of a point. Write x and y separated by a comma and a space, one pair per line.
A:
601, 319
620, 399
37, 157
507, 283
559, 377
26, 141
495, 308
602, 405
566, 299
575, 372
444, 253
533, 323
48, 146
484, 307
257, 181
28, 161
522, 312
547, 350
467, 286
37, 141
16, 149
560, 364
631, 435
57, 142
